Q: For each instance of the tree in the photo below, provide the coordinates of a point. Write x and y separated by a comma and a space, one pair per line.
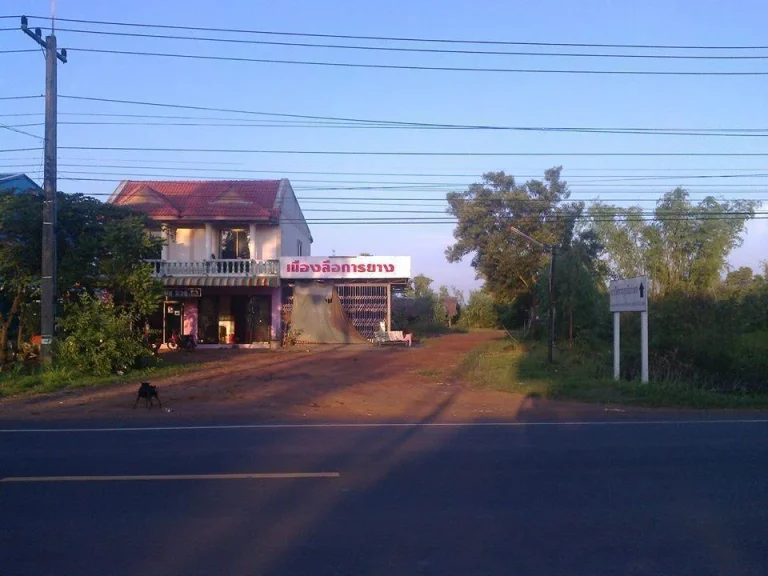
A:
739, 282
480, 311
20, 257
421, 287
686, 246
101, 247
365, 254
509, 263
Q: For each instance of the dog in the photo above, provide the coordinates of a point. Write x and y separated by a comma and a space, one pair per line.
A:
147, 391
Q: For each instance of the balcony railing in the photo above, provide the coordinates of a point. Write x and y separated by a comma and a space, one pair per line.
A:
227, 268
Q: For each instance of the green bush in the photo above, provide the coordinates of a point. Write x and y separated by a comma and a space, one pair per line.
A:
98, 338
480, 311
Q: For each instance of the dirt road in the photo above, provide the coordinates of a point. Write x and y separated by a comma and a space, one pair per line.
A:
317, 383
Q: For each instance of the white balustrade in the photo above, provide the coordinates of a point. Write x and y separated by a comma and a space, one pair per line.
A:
224, 267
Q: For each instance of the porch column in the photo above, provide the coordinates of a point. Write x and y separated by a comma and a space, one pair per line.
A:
208, 241
252, 243
166, 240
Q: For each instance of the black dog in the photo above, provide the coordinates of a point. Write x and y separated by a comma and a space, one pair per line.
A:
147, 391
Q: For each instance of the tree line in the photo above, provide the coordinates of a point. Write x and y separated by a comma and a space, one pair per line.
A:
708, 323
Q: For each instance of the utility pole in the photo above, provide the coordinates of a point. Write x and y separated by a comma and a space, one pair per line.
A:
551, 335
551, 340
49, 277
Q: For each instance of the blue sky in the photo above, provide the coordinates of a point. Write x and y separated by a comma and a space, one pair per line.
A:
417, 96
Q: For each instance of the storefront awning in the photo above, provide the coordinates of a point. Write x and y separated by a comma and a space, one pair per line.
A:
221, 281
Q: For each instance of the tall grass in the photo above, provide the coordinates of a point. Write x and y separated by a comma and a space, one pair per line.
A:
585, 374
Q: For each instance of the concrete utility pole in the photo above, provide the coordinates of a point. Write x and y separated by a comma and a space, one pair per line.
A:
49, 277
551, 322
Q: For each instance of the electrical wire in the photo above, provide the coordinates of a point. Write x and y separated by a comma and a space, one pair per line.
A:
530, 174
751, 133
418, 67
399, 39
401, 49
406, 124
409, 153
15, 129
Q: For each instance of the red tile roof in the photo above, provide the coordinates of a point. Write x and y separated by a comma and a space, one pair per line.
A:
201, 200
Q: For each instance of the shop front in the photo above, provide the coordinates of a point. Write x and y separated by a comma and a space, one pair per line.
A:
216, 316
364, 286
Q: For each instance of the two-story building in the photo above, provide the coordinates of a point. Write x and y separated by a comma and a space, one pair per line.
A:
220, 262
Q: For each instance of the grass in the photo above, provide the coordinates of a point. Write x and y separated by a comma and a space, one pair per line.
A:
428, 372
16, 382
511, 366
425, 330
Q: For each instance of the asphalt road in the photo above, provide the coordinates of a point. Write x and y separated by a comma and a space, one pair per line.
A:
630, 499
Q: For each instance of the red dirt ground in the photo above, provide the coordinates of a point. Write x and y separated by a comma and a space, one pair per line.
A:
322, 383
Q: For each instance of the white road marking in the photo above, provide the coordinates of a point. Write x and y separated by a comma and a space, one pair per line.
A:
574, 423
154, 477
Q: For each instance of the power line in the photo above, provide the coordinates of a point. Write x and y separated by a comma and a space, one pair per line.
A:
412, 49
589, 191
21, 97
406, 124
15, 129
728, 133
18, 51
418, 67
408, 153
400, 39
430, 202
385, 185
478, 174
607, 178
322, 120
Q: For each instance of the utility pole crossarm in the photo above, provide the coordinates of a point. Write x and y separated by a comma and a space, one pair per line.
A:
37, 36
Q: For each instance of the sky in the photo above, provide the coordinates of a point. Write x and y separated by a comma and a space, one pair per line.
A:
427, 96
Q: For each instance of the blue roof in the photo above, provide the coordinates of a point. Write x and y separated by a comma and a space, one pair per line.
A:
19, 184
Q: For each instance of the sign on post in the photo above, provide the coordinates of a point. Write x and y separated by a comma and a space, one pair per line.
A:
630, 295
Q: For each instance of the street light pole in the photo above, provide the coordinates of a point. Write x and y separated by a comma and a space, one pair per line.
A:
551, 340
551, 329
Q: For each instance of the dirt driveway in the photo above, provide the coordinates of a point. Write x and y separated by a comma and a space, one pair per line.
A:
328, 383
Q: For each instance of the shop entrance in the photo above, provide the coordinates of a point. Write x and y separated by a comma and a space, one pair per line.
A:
173, 319
253, 318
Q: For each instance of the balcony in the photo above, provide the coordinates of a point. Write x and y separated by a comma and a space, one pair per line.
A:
215, 268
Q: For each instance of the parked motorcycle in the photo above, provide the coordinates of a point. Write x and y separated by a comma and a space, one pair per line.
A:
184, 341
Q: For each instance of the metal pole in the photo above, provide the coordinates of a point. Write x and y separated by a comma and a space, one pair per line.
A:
644, 346
551, 341
616, 345
48, 284
389, 308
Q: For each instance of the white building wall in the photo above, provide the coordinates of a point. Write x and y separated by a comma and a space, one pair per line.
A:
189, 245
293, 226
266, 242
181, 248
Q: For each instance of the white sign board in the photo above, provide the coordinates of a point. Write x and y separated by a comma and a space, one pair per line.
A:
336, 267
629, 295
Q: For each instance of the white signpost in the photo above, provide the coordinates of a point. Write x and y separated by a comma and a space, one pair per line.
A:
630, 295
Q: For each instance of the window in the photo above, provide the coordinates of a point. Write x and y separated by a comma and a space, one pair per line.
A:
234, 244
299, 248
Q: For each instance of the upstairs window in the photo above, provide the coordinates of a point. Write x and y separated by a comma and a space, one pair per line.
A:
234, 244
299, 248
